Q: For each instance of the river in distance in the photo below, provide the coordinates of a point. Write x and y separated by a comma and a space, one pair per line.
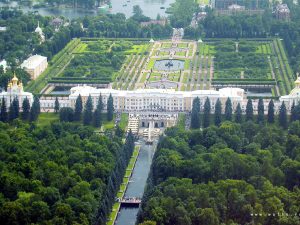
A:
150, 8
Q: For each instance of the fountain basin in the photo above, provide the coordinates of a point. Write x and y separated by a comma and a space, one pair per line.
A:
169, 64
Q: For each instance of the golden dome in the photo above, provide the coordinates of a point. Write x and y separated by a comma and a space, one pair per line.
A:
297, 81
15, 79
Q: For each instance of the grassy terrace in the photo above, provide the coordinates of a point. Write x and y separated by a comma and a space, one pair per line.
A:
129, 169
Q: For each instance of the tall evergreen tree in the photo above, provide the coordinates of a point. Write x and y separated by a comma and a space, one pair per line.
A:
110, 108
195, 115
118, 131
228, 110
14, 109
88, 111
294, 113
249, 110
218, 113
56, 105
35, 109
260, 111
271, 112
78, 108
3, 113
25, 109
283, 116
66, 114
206, 113
98, 113
238, 114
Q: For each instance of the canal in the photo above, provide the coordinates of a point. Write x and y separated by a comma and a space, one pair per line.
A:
150, 8
137, 183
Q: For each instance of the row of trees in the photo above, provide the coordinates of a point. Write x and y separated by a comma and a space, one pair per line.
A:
28, 113
87, 114
237, 115
225, 175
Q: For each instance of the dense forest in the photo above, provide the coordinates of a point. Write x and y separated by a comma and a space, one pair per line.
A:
59, 174
232, 174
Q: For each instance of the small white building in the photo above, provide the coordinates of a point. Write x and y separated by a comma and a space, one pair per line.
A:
15, 90
35, 65
3, 29
3, 63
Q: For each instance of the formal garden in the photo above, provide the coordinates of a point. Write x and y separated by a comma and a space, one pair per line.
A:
250, 63
128, 64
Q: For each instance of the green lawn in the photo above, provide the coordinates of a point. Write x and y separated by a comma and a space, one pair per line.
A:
181, 53
187, 64
47, 118
182, 45
166, 45
181, 121
151, 64
124, 121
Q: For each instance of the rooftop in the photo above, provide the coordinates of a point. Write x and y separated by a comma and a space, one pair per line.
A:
33, 61
223, 92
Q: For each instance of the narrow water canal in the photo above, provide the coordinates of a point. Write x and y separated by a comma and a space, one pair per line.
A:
127, 216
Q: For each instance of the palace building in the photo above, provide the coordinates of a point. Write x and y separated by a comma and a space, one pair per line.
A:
156, 99
294, 96
15, 90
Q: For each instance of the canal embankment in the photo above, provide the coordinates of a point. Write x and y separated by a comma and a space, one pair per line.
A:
124, 185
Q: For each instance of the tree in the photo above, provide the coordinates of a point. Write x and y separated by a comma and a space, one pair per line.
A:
35, 109
294, 113
110, 108
118, 131
14, 109
283, 116
218, 113
66, 114
260, 111
97, 118
238, 114
88, 111
56, 105
271, 112
228, 110
78, 108
25, 109
249, 110
206, 113
98, 113
195, 116
3, 113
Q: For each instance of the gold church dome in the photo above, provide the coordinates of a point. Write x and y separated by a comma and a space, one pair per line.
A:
297, 81
14, 79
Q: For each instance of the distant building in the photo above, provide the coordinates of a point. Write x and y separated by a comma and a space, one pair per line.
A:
35, 65
39, 31
235, 7
57, 22
15, 90
161, 22
282, 12
3, 29
3, 63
